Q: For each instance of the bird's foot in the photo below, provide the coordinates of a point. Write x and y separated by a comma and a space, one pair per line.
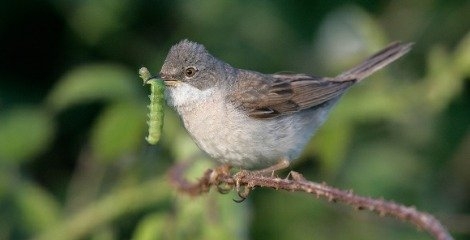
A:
222, 170
244, 190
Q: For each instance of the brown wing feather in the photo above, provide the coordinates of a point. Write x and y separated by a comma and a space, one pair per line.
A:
310, 93
267, 96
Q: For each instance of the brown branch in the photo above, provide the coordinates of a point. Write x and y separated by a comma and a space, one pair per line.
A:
222, 177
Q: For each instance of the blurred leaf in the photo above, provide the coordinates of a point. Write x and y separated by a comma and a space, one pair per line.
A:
110, 207
38, 209
93, 20
462, 56
332, 143
119, 130
24, 132
347, 36
442, 82
92, 82
201, 218
153, 226
105, 233
376, 99
373, 169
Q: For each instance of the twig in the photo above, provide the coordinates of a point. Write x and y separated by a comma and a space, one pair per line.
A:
298, 183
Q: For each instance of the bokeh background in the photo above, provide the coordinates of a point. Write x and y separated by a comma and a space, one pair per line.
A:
74, 163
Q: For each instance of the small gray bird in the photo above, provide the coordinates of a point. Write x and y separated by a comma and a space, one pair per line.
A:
252, 120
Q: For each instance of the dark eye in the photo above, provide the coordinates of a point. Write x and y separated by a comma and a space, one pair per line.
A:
190, 71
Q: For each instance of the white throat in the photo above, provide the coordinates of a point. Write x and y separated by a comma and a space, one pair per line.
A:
185, 95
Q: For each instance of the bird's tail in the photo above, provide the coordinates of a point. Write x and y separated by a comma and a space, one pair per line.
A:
376, 62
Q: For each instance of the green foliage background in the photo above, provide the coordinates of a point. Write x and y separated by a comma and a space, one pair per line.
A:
74, 163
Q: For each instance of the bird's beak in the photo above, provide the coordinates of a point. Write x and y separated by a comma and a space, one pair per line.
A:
169, 82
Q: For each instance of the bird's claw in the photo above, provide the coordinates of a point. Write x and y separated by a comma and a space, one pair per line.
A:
242, 191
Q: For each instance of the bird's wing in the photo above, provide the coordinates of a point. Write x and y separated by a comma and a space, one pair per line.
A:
268, 96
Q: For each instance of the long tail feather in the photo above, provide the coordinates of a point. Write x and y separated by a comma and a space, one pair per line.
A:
376, 61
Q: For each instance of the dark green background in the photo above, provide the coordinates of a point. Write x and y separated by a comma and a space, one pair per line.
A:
74, 163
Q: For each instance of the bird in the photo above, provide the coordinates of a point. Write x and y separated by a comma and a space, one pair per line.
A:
251, 120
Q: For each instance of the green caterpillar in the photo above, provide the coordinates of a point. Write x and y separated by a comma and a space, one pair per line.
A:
155, 116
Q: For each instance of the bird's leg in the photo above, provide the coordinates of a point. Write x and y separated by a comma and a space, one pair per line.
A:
244, 191
282, 164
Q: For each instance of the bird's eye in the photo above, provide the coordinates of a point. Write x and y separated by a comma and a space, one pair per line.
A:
190, 71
